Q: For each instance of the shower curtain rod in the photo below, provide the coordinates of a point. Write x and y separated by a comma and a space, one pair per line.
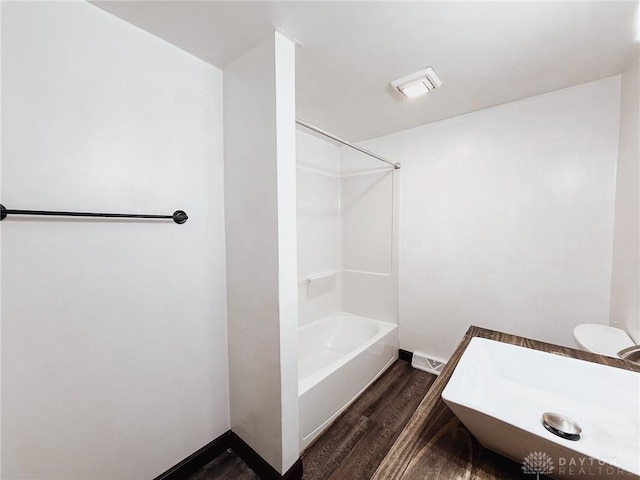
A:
344, 142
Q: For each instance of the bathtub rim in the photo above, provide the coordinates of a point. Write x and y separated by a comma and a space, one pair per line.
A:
308, 382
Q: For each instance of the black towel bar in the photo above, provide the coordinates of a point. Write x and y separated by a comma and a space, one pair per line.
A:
178, 216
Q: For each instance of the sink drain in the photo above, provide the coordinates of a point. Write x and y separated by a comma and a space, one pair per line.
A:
561, 425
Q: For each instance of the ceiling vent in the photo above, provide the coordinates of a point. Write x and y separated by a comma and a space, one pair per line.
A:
418, 83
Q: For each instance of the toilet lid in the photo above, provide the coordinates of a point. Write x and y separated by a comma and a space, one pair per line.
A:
602, 339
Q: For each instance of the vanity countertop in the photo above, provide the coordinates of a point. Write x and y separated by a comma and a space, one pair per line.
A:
435, 444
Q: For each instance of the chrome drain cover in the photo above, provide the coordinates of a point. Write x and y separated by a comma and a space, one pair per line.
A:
561, 425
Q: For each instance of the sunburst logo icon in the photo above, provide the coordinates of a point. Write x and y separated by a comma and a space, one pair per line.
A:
537, 463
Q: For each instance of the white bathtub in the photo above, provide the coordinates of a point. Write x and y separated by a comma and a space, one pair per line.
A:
338, 357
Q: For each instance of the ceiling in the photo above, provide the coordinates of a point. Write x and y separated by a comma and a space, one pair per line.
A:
486, 53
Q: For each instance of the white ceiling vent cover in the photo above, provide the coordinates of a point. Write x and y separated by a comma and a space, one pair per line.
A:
417, 83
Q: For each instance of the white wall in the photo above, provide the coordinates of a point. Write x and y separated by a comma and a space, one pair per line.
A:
114, 353
366, 205
625, 286
285, 73
319, 228
260, 217
369, 215
506, 218
346, 240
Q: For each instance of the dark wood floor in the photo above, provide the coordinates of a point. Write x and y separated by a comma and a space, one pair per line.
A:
227, 466
356, 443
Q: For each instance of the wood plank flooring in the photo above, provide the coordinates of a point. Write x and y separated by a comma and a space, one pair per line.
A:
356, 443
358, 440
227, 466
400, 429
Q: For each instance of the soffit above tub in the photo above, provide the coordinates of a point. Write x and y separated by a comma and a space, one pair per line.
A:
486, 53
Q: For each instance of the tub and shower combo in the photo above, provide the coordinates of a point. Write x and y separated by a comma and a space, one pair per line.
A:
347, 283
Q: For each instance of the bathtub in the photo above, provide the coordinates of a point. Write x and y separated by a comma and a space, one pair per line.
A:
338, 357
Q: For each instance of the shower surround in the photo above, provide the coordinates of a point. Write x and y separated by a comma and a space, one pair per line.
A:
347, 278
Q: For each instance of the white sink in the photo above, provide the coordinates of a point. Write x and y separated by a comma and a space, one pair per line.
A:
500, 391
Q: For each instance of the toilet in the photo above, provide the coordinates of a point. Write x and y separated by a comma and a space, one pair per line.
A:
601, 339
